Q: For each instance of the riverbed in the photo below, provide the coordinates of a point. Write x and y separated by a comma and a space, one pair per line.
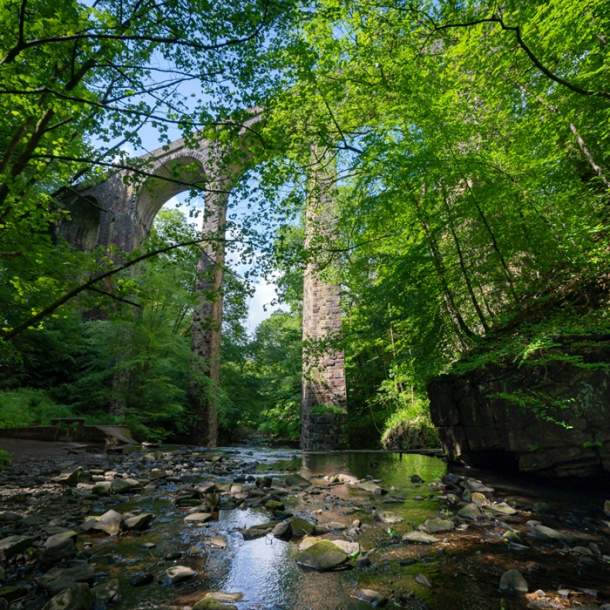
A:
414, 534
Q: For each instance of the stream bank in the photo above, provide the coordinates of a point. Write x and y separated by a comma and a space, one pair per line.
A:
252, 529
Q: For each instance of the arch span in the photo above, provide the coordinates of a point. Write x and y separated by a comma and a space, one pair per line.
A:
130, 203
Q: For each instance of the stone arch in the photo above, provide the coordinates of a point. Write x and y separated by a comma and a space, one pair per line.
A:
175, 175
82, 228
131, 200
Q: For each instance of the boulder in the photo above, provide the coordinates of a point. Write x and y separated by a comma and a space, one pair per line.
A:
470, 512
437, 525
480, 423
512, 582
322, 556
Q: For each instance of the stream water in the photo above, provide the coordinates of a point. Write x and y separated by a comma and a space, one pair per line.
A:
460, 572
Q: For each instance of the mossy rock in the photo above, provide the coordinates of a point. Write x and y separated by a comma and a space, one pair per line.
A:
322, 556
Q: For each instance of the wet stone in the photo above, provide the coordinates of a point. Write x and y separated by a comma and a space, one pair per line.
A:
257, 531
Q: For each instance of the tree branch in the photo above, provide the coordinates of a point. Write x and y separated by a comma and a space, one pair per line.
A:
113, 296
68, 296
528, 51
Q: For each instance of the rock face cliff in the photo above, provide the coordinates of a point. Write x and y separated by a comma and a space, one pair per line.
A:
550, 419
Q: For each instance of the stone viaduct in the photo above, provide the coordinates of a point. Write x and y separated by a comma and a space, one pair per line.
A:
119, 212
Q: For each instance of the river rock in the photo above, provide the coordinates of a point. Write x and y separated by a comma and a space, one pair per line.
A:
322, 556
369, 596
110, 523
59, 546
219, 542
57, 579
479, 499
70, 477
77, 597
217, 600
107, 592
345, 478
295, 527
119, 486
417, 537
12, 545
102, 488
198, 518
274, 505
9, 517
471, 512
423, 580
348, 547
512, 582
296, 480
372, 488
387, 517
544, 533
178, 574
502, 508
437, 525
257, 531
138, 522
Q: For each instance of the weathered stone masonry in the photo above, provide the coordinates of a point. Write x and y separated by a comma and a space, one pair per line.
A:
324, 399
120, 212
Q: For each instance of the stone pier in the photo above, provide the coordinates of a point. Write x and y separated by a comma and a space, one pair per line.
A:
324, 399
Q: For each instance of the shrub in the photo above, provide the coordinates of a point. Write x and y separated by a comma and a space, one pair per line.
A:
28, 407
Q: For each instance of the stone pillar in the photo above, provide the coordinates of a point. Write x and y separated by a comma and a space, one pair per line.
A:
207, 318
324, 399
